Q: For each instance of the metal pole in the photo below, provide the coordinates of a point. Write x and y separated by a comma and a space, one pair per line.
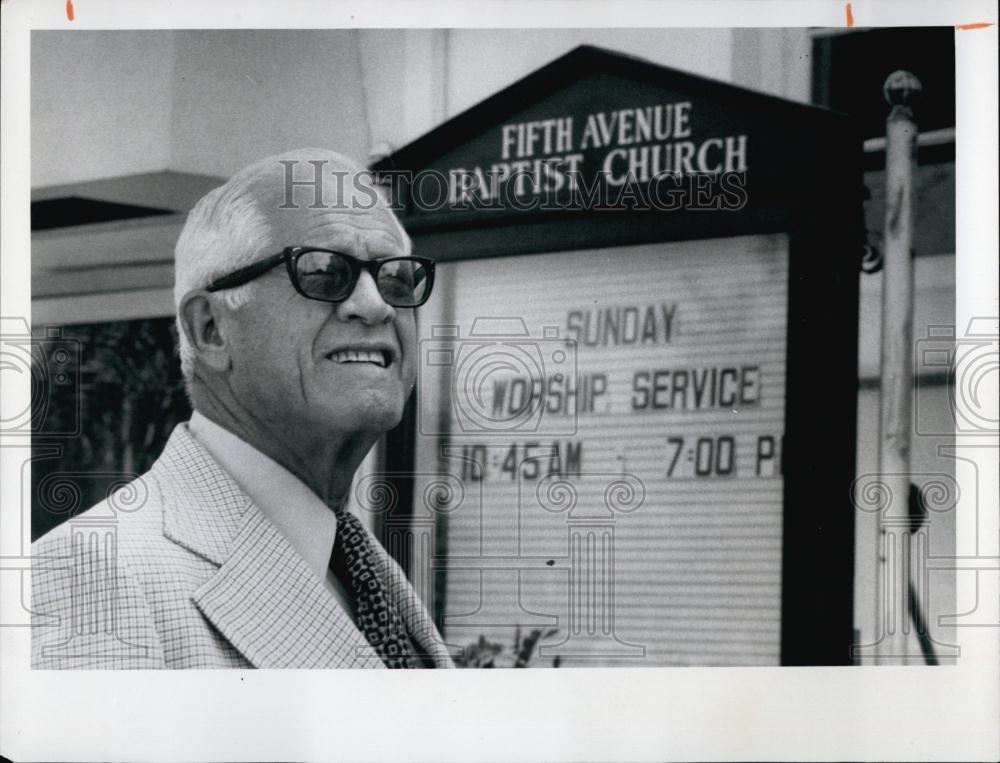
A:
895, 403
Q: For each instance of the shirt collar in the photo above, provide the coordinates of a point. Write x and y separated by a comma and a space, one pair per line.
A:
298, 513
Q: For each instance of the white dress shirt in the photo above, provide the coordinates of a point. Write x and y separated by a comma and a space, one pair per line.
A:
308, 524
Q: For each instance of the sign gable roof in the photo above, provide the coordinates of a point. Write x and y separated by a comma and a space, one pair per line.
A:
580, 63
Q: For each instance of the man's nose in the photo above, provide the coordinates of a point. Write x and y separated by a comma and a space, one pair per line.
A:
365, 303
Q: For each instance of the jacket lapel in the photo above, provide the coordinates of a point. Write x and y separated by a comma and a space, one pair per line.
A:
263, 597
273, 608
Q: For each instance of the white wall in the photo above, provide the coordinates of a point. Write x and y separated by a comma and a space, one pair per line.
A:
406, 71
482, 61
774, 61
100, 104
239, 96
106, 104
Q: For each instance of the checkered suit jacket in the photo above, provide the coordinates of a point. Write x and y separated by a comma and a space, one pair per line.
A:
180, 569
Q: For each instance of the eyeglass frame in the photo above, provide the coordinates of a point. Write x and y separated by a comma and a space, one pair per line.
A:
290, 255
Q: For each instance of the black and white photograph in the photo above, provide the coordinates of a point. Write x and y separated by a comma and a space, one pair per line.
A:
660, 361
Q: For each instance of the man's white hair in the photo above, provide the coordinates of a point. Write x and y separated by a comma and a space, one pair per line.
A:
230, 227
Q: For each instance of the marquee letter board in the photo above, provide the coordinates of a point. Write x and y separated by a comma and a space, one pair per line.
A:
635, 421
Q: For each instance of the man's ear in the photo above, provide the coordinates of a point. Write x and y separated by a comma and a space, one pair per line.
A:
200, 318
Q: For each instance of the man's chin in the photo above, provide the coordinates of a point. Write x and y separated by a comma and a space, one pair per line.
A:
376, 418
384, 423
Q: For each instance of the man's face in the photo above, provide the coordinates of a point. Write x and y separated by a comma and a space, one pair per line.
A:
299, 365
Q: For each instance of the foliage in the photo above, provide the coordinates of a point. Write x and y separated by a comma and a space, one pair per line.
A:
491, 654
131, 395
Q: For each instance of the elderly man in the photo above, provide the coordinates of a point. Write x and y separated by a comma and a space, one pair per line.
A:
295, 311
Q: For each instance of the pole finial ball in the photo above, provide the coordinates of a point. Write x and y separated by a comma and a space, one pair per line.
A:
901, 88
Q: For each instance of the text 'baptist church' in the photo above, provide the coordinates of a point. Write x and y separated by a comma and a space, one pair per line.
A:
626, 145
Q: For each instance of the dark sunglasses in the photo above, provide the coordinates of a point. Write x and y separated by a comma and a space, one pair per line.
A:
331, 276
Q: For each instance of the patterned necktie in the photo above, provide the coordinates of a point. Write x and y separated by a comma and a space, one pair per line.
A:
354, 563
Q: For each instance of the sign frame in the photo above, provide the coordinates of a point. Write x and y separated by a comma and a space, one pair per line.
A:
815, 195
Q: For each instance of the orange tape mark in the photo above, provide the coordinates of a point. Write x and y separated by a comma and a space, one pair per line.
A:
69, 10
975, 25
850, 16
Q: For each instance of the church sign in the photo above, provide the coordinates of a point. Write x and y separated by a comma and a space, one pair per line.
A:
634, 428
